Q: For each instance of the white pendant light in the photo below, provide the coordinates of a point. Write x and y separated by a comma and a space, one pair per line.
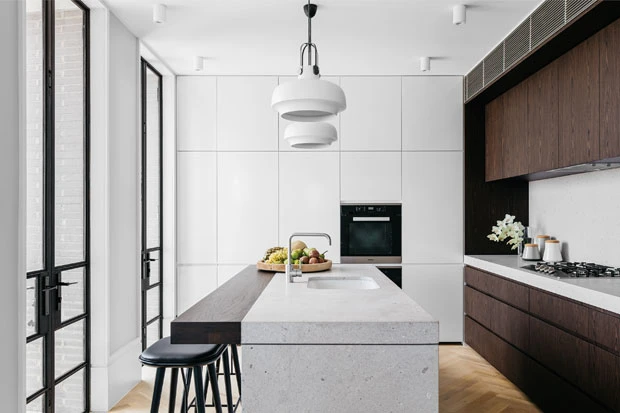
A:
310, 135
159, 13
309, 98
425, 63
459, 14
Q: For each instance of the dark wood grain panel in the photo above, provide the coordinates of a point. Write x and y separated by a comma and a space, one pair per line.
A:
543, 122
512, 325
604, 329
494, 132
610, 90
514, 138
216, 319
578, 74
478, 306
560, 311
508, 291
603, 378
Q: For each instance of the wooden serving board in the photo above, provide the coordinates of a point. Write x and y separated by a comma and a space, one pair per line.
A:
324, 266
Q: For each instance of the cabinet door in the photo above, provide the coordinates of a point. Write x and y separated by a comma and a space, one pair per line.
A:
432, 113
247, 205
245, 120
372, 120
196, 208
432, 207
579, 103
439, 290
494, 130
610, 91
543, 123
196, 113
371, 176
310, 199
514, 143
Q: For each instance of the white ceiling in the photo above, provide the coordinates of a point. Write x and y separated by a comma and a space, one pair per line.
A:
362, 37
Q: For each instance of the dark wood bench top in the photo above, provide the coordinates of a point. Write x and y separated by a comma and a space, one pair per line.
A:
216, 319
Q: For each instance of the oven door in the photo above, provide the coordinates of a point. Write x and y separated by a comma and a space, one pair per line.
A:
371, 239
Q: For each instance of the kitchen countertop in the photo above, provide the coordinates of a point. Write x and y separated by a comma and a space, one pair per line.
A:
603, 293
288, 313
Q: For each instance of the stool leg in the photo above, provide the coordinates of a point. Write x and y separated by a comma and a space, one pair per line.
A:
200, 397
159, 384
186, 386
173, 390
215, 388
229, 398
235, 356
206, 383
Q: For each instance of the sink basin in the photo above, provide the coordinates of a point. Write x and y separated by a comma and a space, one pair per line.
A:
342, 283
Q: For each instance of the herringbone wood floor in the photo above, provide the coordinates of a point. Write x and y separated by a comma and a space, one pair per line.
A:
467, 384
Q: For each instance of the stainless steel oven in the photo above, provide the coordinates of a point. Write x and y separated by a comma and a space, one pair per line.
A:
371, 233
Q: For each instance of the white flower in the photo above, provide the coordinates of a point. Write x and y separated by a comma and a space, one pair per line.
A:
508, 228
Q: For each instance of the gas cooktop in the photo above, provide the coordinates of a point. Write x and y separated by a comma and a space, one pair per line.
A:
574, 269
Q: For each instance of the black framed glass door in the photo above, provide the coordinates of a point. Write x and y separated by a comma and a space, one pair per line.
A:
57, 234
152, 228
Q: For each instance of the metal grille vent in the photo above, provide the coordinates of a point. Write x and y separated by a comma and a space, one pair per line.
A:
494, 64
474, 80
517, 44
575, 7
546, 20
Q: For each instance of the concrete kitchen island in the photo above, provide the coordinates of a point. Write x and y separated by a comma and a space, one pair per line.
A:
328, 350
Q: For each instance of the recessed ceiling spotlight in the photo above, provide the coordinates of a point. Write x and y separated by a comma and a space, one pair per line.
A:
159, 13
425, 63
459, 14
199, 63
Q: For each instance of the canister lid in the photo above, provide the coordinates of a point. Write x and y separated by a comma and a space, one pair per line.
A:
552, 241
543, 236
531, 245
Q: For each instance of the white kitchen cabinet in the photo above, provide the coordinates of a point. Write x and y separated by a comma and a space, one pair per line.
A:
433, 207
370, 176
226, 272
310, 199
194, 282
196, 113
196, 208
372, 120
432, 113
283, 123
439, 290
247, 205
245, 120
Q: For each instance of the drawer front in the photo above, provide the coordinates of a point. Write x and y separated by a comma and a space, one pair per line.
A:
604, 377
605, 330
478, 306
564, 313
500, 288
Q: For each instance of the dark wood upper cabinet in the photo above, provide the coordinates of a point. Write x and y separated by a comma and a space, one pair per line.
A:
494, 129
610, 90
578, 79
542, 119
514, 139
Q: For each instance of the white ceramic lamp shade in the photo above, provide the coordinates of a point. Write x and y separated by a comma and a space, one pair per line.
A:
310, 135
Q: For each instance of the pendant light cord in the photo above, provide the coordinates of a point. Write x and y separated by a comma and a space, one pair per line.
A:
309, 35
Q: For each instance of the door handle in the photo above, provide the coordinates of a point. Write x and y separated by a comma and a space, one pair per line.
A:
63, 284
150, 259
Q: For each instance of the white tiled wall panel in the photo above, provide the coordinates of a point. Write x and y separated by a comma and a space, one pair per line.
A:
226, 272
247, 199
194, 282
245, 120
370, 176
433, 207
196, 208
372, 120
310, 199
432, 113
196, 113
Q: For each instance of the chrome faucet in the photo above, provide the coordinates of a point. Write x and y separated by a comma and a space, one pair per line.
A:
291, 271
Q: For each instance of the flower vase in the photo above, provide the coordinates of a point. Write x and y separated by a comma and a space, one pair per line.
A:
520, 249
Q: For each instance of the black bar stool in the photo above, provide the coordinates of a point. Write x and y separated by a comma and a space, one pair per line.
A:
162, 355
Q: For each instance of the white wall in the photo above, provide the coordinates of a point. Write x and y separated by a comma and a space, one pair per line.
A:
582, 211
12, 293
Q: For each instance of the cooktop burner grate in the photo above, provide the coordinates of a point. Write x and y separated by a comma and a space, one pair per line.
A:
574, 269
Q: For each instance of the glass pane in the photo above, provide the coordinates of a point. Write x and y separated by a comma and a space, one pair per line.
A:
31, 306
152, 303
152, 333
36, 406
155, 268
34, 136
34, 366
152, 160
70, 394
69, 347
69, 150
72, 303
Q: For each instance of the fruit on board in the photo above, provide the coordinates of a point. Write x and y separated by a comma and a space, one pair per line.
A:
296, 254
298, 245
304, 260
301, 255
313, 260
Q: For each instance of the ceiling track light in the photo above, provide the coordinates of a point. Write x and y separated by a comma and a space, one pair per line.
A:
159, 13
425, 63
459, 14
199, 63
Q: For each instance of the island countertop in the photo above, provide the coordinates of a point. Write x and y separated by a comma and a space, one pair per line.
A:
276, 312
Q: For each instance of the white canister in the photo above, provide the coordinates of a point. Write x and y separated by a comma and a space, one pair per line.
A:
540, 240
553, 252
531, 252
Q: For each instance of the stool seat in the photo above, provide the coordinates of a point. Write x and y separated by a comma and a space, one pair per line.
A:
164, 354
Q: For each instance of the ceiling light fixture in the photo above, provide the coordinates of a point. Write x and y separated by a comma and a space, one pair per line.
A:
310, 135
425, 63
159, 13
199, 63
459, 14
309, 98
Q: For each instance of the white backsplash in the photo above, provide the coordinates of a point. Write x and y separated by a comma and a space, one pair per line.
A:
583, 212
